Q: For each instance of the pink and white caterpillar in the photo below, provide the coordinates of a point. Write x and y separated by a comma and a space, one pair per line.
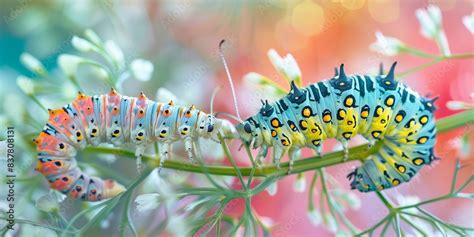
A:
116, 119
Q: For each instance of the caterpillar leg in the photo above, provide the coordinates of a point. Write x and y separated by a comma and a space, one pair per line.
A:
138, 154
318, 149
346, 149
262, 153
278, 153
294, 153
164, 153
188, 145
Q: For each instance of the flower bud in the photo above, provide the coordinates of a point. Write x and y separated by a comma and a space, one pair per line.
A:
314, 216
26, 85
82, 44
468, 22
300, 183
142, 69
386, 45
287, 66
272, 189
146, 202
32, 63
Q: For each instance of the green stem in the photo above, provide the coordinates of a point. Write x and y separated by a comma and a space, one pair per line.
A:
356, 153
435, 59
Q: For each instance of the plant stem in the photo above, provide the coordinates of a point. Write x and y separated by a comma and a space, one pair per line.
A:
435, 60
356, 153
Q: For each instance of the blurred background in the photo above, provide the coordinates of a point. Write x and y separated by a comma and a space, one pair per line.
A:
180, 39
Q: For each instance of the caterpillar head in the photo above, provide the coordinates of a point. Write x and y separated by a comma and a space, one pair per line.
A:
250, 133
209, 125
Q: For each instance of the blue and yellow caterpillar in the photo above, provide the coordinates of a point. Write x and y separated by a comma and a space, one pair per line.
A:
377, 107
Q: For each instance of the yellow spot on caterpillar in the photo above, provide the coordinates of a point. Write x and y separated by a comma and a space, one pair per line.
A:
375, 134
364, 114
275, 123
306, 112
285, 142
304, 124
342, 113
424, 119
349, 101
79, 136
395, 182
274, 133
94, 132
401, 168
327, 118
388, 82
389, 101
379, 111
399, 118
418, 161
380, 188
422, 140
347, 135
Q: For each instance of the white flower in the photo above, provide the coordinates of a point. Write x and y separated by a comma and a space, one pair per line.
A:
463, 145
82, 44
300, 183
69, 90
352, 200
430, 21
32, 63
141, 69
190, 207
229, 129
314, 216
93, 37
272, 189
457, 105
330, 222
26, 85
177, 226
69, 63
101, 73
386, 45
468, 22
115, 52
271, 88
49, 202
287, 66
267, 221
146, 202
431, 26
255, 78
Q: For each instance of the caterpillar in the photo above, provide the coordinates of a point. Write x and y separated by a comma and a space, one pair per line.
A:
116, 119
376, 107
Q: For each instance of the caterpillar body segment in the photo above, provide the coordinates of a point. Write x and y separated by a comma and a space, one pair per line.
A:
376, 107
119, 120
